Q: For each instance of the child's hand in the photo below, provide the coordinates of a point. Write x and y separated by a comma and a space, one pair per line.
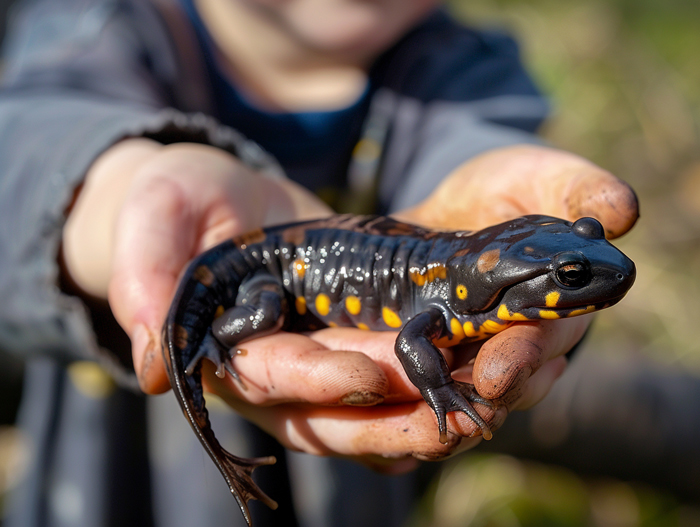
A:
145, 210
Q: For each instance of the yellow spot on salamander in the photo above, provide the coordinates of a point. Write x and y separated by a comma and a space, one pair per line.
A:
549, 315
432, 272
391, 319
491, 327
332, 325
418, 279
469, 330
363, 326
353, 305
577, 312
504, 314
300, 304
436, 271
323, 304
552, 299
457, 329
443, 342
461, 291
300, 267
219, 311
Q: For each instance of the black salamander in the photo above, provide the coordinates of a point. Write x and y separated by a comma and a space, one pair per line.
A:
437, 289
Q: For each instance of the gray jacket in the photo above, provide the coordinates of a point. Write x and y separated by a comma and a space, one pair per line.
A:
80, 75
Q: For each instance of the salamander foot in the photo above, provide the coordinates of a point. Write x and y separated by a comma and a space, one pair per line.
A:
456, 396
213, 350
238, 474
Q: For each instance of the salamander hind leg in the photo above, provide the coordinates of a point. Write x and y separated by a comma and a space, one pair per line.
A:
259, 310
211, 349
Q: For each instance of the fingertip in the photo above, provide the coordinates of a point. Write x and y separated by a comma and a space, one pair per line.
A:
290, 366
507, 361
607, 198
148, 361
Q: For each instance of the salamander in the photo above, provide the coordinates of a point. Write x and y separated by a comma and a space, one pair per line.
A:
437, 289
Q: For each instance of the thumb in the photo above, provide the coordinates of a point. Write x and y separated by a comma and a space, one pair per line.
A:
183, 201
509, 182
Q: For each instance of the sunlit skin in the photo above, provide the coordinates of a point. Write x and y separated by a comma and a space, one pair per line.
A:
306, 54
146, 209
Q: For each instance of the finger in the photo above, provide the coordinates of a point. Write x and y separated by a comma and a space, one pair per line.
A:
389, 431
603, 196
183, 200
379, 347
287, 367
510, 182
155, 239
87, 241
507, 360
289, 200
391, 466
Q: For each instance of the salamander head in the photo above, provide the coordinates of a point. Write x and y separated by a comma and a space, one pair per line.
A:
540, 267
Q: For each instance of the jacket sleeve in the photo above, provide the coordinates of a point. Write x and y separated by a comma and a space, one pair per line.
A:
79, 76
446, 135
449, 94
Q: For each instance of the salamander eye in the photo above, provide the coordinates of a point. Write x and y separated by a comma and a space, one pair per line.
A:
573, 274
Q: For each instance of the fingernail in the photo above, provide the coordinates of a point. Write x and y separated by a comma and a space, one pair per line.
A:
141, 350
139, 340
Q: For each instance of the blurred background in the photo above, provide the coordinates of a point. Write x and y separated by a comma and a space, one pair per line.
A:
624, 81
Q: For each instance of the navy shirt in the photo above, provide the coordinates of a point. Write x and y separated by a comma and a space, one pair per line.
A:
313, 147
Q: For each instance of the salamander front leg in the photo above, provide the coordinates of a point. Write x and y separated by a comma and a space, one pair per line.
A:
428, 371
